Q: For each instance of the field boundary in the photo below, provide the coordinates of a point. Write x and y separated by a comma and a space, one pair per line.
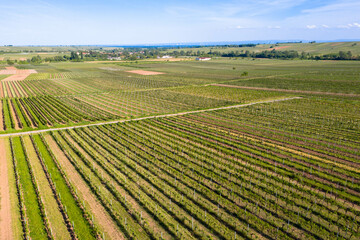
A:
5, 204
144, 118
286, 90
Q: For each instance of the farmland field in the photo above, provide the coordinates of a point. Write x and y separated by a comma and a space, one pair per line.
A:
201, 151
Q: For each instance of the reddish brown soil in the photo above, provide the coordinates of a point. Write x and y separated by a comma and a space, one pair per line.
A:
5, 206
1, 90
16, 74
143, 72
1, 121
11, 68
169, 59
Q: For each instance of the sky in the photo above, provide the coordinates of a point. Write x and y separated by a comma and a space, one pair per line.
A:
118, 22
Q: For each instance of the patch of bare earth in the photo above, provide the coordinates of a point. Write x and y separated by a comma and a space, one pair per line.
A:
5, 205
97, 209
16, 74
11, 68
143, 72
286, 90
1, 119
169, 59
1, 90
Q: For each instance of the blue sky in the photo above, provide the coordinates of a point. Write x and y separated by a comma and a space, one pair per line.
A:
50, 22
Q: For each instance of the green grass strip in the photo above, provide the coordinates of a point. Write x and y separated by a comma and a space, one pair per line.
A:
33, 212
82, 228
7, 115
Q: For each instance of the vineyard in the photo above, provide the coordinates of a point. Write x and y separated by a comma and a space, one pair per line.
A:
185, 160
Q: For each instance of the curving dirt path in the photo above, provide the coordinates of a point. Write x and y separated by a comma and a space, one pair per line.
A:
143, 118
5, 205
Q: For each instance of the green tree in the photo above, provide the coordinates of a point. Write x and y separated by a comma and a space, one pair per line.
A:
74, 56
245, 73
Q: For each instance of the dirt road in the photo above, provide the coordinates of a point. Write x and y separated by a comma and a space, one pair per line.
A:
5, 206
143, 118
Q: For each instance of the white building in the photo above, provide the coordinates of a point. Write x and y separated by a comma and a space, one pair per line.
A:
203, 59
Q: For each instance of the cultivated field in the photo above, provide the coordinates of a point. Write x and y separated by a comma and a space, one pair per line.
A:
104, 150
312, 48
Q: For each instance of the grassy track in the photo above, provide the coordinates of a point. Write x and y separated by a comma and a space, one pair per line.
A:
34, 216
56, 220
82, 228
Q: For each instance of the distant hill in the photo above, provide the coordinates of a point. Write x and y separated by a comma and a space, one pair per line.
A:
313, 48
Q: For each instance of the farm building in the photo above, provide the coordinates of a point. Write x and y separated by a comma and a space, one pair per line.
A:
203, 59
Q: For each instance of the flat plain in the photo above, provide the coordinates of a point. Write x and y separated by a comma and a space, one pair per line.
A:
176, 155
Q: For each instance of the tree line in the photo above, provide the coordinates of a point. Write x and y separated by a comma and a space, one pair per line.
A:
137, 54
272, 54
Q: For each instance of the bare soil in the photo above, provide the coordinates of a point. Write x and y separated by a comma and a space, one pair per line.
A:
16, 74
1, 119
169, 59
11, 68
143, 72
1, 90
5, 206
